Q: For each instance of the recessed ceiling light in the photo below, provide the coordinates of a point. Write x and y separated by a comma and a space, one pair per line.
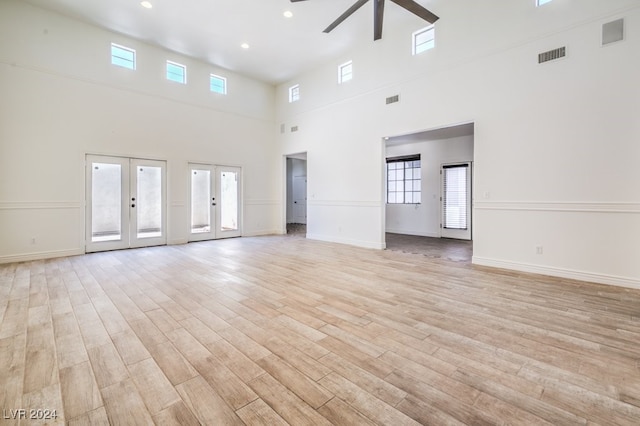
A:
288, 14
146, 4
244, 45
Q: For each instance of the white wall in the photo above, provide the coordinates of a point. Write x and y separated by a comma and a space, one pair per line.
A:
556, 145
424, 218
61, 99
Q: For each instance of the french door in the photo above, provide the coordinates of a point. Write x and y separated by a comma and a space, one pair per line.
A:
456, 201
126, 203
215, 207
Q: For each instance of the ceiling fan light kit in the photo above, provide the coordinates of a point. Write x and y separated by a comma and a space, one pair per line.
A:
378, 13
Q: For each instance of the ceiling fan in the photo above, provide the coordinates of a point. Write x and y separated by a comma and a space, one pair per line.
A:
378, 11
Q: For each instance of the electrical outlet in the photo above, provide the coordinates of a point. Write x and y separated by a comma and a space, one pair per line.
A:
539, 249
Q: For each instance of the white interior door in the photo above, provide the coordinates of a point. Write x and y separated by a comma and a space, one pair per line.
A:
300, 199
126, 203
216, 202
456, 201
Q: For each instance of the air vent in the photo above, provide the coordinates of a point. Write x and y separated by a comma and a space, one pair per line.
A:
552, 55
393, 99
294, 129
613, 31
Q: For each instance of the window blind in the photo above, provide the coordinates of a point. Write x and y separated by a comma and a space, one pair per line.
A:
455, 196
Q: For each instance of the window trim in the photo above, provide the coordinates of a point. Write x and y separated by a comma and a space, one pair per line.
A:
341, 73
184, 72
294, 93
128, 49
220, 78
414, 45
404, 159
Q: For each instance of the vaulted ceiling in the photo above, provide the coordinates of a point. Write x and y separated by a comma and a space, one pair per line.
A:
214, 30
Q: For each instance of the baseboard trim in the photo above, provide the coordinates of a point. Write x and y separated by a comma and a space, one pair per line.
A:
351, 242
263, 232
408, 232
558, 272
177, 242
41, 255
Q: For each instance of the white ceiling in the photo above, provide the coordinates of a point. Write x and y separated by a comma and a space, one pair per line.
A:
213, 30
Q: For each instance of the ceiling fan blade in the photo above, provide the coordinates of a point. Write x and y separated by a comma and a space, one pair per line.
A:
416, 9
345, 15
378, 13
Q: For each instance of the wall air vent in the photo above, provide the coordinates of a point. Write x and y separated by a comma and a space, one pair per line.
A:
552, 55
613, 31
294, 129
393, 99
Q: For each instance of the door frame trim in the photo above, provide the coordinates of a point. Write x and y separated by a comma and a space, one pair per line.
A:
125, 200
469, 165
216, 234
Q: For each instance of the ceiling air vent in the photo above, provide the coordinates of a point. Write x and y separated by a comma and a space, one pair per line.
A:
552, 55
393, 99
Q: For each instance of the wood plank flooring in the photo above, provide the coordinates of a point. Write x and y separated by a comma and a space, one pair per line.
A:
277, 330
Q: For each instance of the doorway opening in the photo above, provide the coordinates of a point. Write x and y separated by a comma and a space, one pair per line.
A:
428, 189
125, 203
296, 190
215, 208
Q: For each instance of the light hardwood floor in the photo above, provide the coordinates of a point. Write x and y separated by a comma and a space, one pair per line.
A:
277, 330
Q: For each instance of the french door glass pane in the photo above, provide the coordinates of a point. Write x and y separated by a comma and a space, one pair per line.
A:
106, 202
200, 201
229, 201
149, 202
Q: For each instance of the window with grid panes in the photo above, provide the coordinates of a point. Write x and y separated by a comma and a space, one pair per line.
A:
176, 72
217, 84
123, 56
404, 181
424, 39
